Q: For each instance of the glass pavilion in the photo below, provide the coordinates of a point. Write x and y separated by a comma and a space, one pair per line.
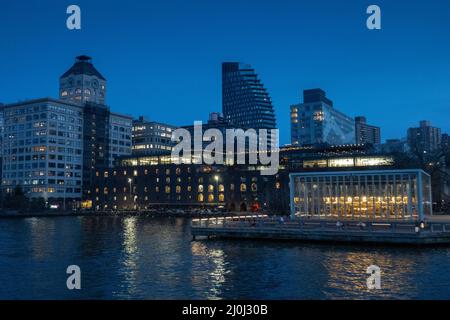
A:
361, 195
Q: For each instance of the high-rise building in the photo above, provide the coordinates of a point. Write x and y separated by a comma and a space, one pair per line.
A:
151, 137
215, 121
82, 83
107, 135
245, 101
95, 141
111, 132
394, 146
445, 142
43, 149
52, 148
316, 121
425, 138
366, 133
120, 136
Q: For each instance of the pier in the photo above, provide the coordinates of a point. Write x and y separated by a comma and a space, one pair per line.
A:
435, 230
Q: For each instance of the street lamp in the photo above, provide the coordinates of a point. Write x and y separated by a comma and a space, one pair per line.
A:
216, 178
129, 181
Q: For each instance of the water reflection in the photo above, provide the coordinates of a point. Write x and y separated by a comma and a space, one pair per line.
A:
154, 258
346, 270
216, 270
41, 232
130, 256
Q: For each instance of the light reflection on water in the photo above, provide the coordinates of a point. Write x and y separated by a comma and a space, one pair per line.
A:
154, 258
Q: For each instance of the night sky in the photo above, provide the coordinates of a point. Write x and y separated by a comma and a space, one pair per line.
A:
162, 58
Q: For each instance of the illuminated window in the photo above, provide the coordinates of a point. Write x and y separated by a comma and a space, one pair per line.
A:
221, 197
105, 190
86, 204
277, 185
243, 187
105, 174
200, 197
319, 116
221, 188
339, 163
254, 187
167, 189
156, 189
178, 171
178, 189
200, 188
210, 198
135, 173
315, 164
374, 161
210, 188
232, 187
189, 188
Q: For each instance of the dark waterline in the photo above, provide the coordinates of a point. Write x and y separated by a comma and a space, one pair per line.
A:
154, 258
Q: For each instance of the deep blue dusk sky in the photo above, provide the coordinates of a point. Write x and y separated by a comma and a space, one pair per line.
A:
162, 58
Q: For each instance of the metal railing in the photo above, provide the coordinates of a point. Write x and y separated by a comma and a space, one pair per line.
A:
270, 223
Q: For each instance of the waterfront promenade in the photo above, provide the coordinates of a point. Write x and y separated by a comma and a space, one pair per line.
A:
434, 230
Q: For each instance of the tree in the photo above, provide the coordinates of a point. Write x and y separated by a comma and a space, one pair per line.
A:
435, 164
17, 200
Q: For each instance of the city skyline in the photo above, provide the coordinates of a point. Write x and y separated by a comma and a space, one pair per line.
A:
224, 156
389, 74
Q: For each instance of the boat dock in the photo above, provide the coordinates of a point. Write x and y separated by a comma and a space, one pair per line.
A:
435, 230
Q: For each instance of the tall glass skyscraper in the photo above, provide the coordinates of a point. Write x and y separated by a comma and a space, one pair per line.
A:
245, 101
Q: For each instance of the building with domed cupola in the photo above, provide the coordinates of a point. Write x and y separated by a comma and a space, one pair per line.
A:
82, 83
53, 147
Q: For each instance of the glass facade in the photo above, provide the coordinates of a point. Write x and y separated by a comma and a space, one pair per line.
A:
317, 121
361, 195
245, 101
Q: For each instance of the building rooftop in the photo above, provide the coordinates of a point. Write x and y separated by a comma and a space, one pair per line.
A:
39, 100
316, 95
83, 65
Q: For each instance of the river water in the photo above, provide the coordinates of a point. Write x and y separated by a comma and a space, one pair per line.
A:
154, 258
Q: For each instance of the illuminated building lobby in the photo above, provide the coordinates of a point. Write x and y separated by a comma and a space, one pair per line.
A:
385, 195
